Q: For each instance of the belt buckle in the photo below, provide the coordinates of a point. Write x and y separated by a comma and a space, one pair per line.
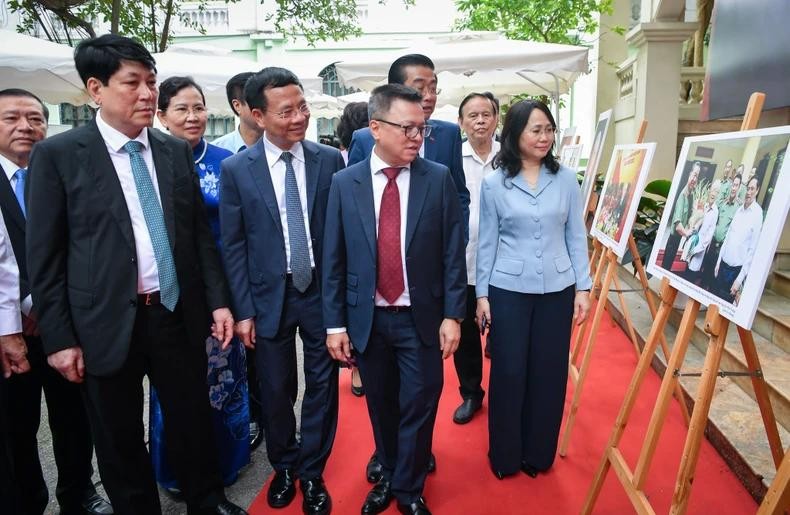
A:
148, 299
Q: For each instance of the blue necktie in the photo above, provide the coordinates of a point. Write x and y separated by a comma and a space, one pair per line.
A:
155, 220
297, 236
19, 189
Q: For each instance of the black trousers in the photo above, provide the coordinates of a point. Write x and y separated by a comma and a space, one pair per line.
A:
9, 493
530, 338
277, 377
71, 436
468, 358
670, 251
161, 350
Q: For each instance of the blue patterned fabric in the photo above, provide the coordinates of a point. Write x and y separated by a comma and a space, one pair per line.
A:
155, 220
227, 369
297, 235
19, 189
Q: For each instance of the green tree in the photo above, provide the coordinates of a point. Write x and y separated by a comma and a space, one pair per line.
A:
550, 21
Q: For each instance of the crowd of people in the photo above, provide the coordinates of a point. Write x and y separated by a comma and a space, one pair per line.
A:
127, 252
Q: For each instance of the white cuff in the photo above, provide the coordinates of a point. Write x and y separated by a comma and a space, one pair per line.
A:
335, 330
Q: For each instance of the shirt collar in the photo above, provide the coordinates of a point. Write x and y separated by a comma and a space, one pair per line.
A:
377, 164
115, 139
468, 151
9, 167
273, 152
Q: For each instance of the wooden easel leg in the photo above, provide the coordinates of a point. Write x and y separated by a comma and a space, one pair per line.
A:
668, 295
761, 394
777, 498
716, 326
626, 314
665, 393
577, 344
577, 391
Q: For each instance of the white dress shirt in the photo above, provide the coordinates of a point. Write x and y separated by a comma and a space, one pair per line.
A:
10, 319
704, 237
10, 169
741, 240
147, 271
277, 171
475, 169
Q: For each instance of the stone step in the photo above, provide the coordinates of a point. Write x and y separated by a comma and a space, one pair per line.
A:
782, 260
772, 320
735, 426
779, 282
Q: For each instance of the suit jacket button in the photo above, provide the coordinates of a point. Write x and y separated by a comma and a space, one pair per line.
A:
134, 260
133, 302
539, 270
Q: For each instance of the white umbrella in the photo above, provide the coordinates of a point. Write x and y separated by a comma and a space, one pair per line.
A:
359, 96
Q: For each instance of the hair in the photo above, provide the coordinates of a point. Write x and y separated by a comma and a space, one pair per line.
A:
235, 88
381, 98
355, 116
170, 88
17, 92
738, 176
101, 57
267, 78
486, 95
397, 74
509, 156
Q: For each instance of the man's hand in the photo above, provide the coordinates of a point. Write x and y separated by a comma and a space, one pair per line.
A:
29, 325
13, 355
245, 330
581, 307
69, 363
339, 346
222, 329
449, 336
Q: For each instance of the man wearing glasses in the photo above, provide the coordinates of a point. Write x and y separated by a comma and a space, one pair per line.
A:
394, 287
272, 208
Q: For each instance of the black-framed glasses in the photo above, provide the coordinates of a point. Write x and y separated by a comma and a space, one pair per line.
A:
410, 131
289, 113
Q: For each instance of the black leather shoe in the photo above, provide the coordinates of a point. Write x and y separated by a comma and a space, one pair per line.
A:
316, 498
256, 436
378, 498
529, 470
282, 490
432, 464
358, 391
415, 508
467, 410
374, 471
228, 508
95, 504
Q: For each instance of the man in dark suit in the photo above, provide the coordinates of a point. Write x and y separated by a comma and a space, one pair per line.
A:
23, 122
126, 279
394, 284
272, 210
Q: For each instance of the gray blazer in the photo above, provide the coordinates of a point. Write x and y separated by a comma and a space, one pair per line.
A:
532, 241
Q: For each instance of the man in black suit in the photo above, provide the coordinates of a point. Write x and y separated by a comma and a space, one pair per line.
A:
23, 122
126, 279
394, 287
272, 207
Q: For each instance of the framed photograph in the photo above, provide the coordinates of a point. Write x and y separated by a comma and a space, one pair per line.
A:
591, 173
570, 156
723, 219
619, 200
568, 137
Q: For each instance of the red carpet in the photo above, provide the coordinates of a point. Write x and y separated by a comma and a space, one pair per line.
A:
463, 483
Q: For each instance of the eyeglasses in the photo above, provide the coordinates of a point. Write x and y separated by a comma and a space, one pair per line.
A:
291, 112
410, 131
536, 131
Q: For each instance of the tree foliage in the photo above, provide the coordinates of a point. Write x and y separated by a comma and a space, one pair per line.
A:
550, 21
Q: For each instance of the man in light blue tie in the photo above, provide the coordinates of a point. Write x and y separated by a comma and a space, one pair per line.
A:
272, 208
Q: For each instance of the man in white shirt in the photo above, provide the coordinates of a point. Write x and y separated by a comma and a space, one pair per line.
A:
737, 251
477, 116
248, 132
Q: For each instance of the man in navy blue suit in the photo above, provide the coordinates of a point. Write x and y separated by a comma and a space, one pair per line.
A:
272, 206
394, 285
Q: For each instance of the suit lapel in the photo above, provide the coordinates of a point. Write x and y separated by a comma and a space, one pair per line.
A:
312, 170
163, 163
363, 195
261, 175
418, 189
431, 148
8, 199
92, 153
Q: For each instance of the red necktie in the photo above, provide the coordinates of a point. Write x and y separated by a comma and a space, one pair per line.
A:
389, 280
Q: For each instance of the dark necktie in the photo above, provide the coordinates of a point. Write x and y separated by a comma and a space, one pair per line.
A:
301, 272
389, 266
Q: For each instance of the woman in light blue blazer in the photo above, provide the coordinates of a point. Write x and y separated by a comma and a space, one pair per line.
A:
533, 281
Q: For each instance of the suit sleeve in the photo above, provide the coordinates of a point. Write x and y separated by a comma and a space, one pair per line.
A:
355, 151
454, 252
576, 236
333, 274
457, 171
488, 239
46, 251
234, 243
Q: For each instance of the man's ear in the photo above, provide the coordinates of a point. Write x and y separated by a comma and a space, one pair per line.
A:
258, 116
94, 87
375, 127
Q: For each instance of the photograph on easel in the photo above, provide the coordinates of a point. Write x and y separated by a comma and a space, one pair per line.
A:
623, 184
570, 156
723, 219
591, 172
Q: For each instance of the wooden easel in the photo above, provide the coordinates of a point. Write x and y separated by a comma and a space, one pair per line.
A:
604, 264
716, 326
777, 498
